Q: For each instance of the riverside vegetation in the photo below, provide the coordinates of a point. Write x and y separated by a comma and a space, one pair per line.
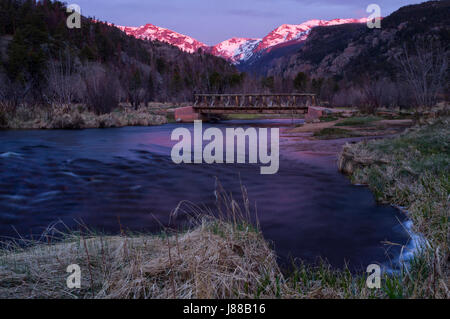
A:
79, 117
223, 255
412, 171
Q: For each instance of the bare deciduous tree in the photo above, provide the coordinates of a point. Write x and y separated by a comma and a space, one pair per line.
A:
425, 70
12, 94
373, 95
64, 83
102, 90
379, 93
350, 97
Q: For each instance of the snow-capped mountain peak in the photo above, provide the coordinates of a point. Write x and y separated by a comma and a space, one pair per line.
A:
235, 50
289, 32
152, 32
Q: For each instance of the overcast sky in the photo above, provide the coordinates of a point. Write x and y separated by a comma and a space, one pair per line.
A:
212, 21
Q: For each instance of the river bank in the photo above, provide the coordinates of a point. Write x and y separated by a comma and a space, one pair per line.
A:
412, 172
78, 117
219, 257
229, 257
403, 165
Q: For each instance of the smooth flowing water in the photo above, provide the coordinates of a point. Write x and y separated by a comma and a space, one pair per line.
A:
125, 178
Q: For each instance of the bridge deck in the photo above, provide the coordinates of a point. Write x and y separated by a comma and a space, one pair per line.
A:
278, 103
251, 109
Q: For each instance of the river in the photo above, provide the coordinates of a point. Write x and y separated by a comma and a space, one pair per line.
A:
124, 178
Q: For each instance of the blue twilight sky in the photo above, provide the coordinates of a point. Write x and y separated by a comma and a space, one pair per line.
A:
213, 21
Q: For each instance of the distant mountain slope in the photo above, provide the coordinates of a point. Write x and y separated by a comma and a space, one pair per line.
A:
34, 40
152, 32
261, 62
236, 50
291, 32
320, 47
351, 50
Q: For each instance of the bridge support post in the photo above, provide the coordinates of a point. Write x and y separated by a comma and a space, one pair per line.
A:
314, 114
187, 115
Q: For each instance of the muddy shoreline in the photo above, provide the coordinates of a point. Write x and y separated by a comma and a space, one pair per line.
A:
326, 150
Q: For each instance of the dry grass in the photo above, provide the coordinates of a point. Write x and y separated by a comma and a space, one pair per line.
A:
197, 264
219, 257
76, 117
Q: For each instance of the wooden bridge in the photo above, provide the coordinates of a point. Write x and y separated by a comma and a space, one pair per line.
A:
206, 105
254, 103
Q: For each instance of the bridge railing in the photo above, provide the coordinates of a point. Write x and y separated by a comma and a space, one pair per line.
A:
255, 100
